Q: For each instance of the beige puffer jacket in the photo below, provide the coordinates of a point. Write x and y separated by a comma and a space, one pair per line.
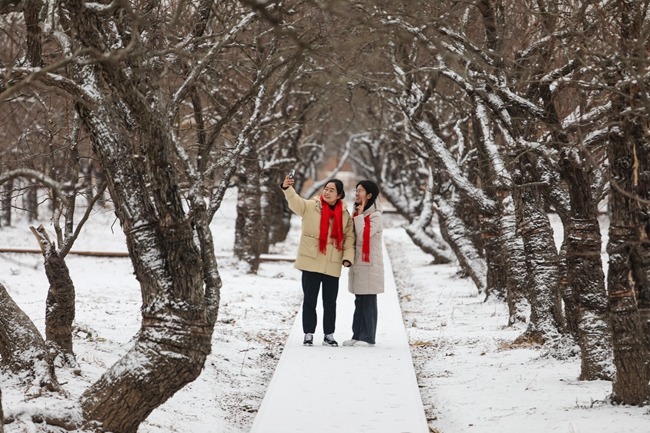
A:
367, 278
308, 258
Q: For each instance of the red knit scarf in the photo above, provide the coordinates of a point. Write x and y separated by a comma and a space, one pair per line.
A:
365, 247
337, 225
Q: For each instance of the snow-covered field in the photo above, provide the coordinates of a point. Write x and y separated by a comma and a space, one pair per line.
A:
471, 378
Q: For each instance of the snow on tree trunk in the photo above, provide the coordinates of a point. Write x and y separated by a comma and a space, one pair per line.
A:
518, 275
59, 306
585, 270
630, 351
22, 347
428, 240
492, 231
454, 231
248, 225
546, 320
177, 314
60, 303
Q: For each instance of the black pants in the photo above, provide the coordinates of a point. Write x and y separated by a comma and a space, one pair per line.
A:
311, 282
364, 321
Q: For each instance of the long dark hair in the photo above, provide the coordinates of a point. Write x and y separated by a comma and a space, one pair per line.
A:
339, 187
371, 188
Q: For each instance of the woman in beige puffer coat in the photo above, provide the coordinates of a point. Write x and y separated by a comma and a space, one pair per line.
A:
366, 276
326, 244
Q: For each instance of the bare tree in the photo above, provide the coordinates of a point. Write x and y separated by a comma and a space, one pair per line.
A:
22, 347
114, 70
627, 136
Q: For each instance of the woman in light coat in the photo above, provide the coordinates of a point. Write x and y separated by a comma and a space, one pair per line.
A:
326, 244
366, 276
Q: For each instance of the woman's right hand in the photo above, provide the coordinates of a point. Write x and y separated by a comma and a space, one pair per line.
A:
287, 182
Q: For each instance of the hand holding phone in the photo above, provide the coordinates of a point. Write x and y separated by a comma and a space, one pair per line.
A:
288, 180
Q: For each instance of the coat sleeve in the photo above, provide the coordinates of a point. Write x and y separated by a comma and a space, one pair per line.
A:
297, 204
348, 240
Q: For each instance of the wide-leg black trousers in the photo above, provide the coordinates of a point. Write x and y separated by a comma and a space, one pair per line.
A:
364, 321
311, 282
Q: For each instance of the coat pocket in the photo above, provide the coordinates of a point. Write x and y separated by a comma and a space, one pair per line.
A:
308, 246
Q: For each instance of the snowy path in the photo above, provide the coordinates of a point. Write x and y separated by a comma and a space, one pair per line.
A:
346, 389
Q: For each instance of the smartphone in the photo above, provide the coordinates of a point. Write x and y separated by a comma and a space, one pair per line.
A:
292, 173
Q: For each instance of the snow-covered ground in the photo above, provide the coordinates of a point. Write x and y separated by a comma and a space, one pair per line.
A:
470, 376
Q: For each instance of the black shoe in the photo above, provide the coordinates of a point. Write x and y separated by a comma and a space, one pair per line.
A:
330, 341
309, 340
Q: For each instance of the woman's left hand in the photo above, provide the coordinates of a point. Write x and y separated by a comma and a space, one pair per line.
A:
346, 263
361, 207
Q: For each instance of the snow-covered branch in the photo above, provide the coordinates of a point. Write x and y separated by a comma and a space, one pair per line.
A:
58, 188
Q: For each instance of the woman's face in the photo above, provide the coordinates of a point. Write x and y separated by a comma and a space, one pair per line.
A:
330, 195
361, 195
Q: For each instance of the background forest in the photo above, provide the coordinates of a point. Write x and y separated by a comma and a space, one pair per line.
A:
481, 117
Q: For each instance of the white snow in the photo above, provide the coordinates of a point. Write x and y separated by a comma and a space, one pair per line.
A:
470, 376
369, 389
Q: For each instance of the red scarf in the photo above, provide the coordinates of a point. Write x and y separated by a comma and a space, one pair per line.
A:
365, 247
337, 225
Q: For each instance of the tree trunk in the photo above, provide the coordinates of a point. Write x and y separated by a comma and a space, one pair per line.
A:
454, 231
248, 225
60, 306
31, 202
178, 312
641, 261
492, 232
497, 274
88, 181
518, 273
546, 320
60, 303
630, 352
5, 203
273, 207
1, 414
556, 194
428, 241
22, 346
585, 270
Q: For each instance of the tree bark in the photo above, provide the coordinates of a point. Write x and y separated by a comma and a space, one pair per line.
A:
1, 414
248, 225
641, 262
454, 231
60, 303
5, 202
427, 240
21, 345
60, 306
546, 319
585, 270
518, 273
31, 202
272, 208
630, 351
178, 312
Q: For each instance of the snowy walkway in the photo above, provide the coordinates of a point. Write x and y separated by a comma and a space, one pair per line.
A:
346, 389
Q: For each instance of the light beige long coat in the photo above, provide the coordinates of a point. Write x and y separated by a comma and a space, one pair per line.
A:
308, 258
367, 278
